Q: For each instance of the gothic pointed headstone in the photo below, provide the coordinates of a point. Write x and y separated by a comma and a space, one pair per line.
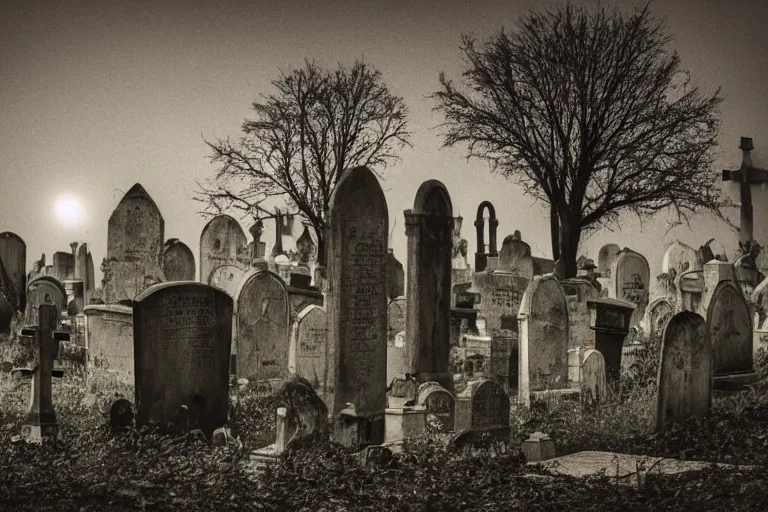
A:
224, 257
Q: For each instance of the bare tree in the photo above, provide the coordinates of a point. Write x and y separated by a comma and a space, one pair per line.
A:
590, 113
302, 137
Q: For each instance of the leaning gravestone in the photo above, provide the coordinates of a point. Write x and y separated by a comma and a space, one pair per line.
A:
357, 305
685, 375
543, 352
729, 326
223, 253
308, 357
134, 247
631, 278
182, 337
262, 326
594, 389
13, 255
44, 290
178, 261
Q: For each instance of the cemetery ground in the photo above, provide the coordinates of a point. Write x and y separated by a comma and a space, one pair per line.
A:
90, 467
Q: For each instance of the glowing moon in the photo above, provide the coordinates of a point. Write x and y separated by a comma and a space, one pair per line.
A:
69, 210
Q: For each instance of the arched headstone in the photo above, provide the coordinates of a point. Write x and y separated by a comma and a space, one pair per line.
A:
680, 257
605, 259
178, 261
13, 255
44, 290
223, 243
729, 326
134, 247
685, 375
631, 278
357, 299
594, 389
262, 311
658, 312
308, 356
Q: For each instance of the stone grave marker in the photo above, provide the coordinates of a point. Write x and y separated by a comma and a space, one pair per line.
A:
134, 247
657, 313
44, 290
515, 256
543, 352
680, 258
63, 265
309, 347
440, 406
729, 326
13, 255
182, 342
594, 389
577, 292
396, 366
429, 227
357, 306
606, 258
631, 277
224, 257
690, 291
178, 261
262, 313
685, 375
109, 339
483, 407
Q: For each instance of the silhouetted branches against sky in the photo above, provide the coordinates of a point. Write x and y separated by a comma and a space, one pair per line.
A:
302, 136
589, 111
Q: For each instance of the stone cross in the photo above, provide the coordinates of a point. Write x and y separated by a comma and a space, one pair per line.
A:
747, 176
41, 417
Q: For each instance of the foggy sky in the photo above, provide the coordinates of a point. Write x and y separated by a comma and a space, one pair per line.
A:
96, 96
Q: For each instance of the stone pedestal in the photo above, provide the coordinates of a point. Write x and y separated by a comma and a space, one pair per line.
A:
610, 320
359, 431
538, 447
404, 423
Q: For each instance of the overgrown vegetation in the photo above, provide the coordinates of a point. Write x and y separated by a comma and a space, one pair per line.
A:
91, 469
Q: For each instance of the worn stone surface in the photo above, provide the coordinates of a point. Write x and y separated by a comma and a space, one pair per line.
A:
396, 364
109, 339
440, 407
182, 338
223, 244
543, 337
685, 375
134, 247
690, 292
309, 347
395, 276
680, 257
631, 277
429, 227
13, 255
577, 292
483, 405
63, 265
656, 315
84, 271
594, 389
515, 256
178, 261
262, 312
729, 326
357, 297
606, 258
44, 290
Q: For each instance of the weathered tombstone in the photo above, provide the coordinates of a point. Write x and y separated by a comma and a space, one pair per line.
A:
82, 260
685, 375
631, 277
729, 327
594, 389
606, 258
680, 257
261, 311
429, 227
578, 291
178, 261
543, 356
13, 255
63, 265
396, 365
656, 315
515, 256
483, 407
134, 247
224, 255
611, 322
309, 347
690, 291
109, 339
395, 276
357, 306
182, 342
44, 290
482, 255
440, 406
40, 422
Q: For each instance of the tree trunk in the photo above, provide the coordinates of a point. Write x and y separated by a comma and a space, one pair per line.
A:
554, 222
570, 234
321, 256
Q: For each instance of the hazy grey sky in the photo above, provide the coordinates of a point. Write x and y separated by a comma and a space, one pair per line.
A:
96, 96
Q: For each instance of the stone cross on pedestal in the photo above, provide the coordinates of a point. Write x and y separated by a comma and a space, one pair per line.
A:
40, 422
747, 176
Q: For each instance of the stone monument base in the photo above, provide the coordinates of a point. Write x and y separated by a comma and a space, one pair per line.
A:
36, 434
734, 381
404, 423
263, 458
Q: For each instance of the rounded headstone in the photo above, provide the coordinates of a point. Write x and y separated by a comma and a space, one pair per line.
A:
178, 262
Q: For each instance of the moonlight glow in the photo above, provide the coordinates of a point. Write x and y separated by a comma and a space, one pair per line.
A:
69, 210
